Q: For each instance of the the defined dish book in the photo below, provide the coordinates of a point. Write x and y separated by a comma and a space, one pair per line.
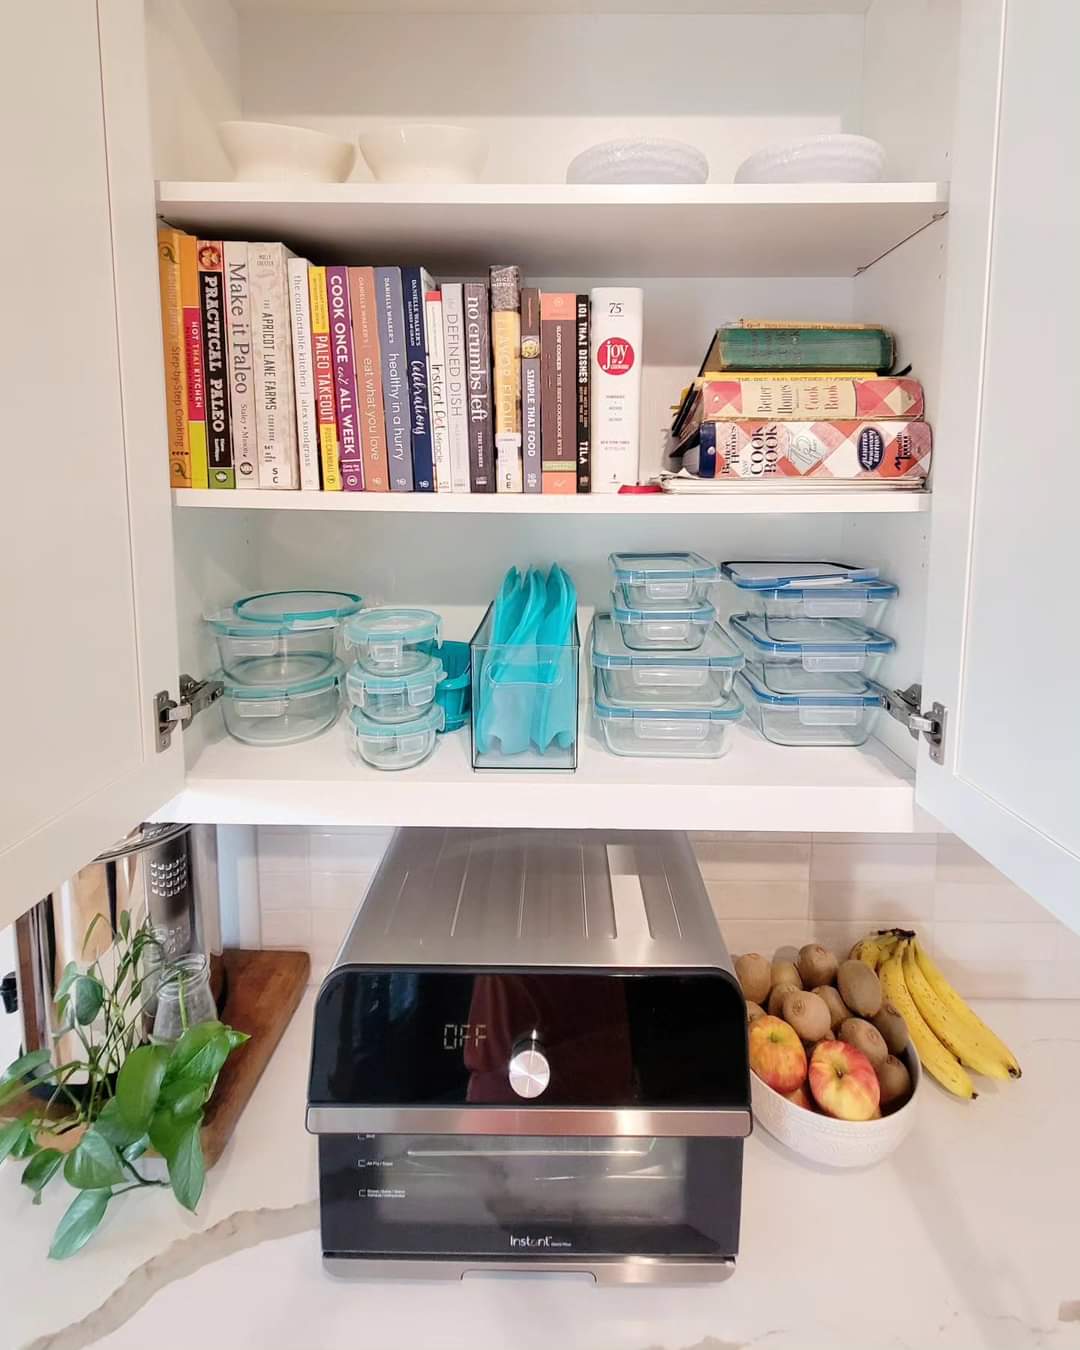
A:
215, 364
457, 384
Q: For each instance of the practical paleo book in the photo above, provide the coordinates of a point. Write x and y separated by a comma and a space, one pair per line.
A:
241, 367
558, 390
307, 421
415, 284
395, 379
172, 346
275, 414
369, 390
530, 389
478, 364
195, 378
350, 455
215, 364
506, 375
457, 384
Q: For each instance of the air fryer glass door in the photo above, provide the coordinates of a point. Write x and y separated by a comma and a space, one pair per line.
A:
501, 1196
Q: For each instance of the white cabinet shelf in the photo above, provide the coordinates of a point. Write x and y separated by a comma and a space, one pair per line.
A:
756, 786
559, 229
739, 502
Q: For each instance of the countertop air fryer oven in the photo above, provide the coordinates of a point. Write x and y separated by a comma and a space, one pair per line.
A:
531, 1053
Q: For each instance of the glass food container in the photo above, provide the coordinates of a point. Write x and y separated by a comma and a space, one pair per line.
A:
392, 641
394, 698
272, 651
279, 714
665, 625
394, 745
670, 731
819, 646
841, 715
652, 577
300, 608
628, 677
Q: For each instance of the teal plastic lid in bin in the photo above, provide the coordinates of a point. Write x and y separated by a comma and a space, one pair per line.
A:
792, 638
407, 626
610, 652
299, 608
642, 568
284, 688
622, 611
758, 576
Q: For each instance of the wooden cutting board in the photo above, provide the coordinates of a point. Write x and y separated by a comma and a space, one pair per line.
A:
264, 989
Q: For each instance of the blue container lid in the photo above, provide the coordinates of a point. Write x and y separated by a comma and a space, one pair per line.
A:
863, 590
610, 652
229, 624
431, 670
637, 568
297, 607
796, 637
847, 692
386, 624
284, 688
622, 611
757, 576
655, 712
431, 719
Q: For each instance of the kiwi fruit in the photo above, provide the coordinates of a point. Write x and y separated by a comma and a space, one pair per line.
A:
893, 1028
859, 987
865, 1036
753, 1010
754, 974
776, 998
894, 1081
808, 1014
786, 972
816, 965
838, 1009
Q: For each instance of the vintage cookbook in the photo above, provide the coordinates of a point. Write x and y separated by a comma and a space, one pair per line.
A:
558, 391
584, 447
275, 414
530, 389
193, 360
307, 421
215, 364
245, 437
615, 368
350, 455
755, 345
436, 372
322, 367
415, 284
369, 391
172, 345
506, 375
395, 379
478, 365
883, 450
457, 384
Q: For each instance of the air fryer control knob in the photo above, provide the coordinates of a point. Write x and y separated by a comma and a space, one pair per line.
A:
530, 1071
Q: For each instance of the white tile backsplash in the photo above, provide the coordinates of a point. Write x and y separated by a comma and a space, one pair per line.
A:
769, 891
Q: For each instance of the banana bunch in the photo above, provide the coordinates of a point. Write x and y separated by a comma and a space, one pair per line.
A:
946, 1033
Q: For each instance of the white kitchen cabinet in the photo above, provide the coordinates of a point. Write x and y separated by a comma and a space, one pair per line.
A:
966, 255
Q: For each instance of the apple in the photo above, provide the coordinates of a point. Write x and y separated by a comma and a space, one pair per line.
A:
843, 1081
801, 1098
777, 1055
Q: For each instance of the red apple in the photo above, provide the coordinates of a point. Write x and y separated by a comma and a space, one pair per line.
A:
777, 1055
801, 1098
843, 1081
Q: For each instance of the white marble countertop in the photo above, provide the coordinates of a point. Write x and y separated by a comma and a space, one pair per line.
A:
967, 1237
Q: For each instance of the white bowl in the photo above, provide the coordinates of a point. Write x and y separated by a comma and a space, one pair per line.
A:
269, 152
646, 159
835, 1143
832, 158
424, 152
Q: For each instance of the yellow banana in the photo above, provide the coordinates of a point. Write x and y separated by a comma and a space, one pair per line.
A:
873, 949
955, 1034
958, 1009
935, 1058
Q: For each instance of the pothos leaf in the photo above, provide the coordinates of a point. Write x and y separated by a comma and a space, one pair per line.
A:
80, 1219
199, 1053
93, 1163
88, 994
138, 1085
41, 1169
187, 1169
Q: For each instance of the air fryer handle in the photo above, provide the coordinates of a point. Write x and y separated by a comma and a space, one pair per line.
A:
633, 1122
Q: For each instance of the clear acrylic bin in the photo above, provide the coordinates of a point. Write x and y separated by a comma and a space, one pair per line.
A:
841, 714
663, 625
818, 646
649, 578
626, 677
279, 715
665, 731
524, 702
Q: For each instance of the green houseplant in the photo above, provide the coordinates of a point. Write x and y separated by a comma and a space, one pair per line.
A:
96, 1115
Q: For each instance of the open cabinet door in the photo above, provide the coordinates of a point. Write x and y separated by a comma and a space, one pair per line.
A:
88, 610
1003, 628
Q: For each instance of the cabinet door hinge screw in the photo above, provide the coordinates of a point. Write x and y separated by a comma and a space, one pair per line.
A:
905, 705
195, 695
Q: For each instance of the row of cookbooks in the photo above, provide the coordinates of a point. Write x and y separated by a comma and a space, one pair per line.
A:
281, 373
786, 403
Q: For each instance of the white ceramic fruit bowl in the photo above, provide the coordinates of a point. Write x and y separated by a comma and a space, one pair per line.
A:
270, 152
832, 158
835, 1143
424, 152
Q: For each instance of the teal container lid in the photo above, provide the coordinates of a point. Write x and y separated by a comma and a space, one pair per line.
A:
431, 719
640, 568
284, 688
430, 671
386, 624
803, 637
610, 652
842, 691
229, 624
299, 608
655, 712
622, 611
756, 576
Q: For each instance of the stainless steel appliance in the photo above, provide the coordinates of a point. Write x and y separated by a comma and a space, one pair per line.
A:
531, 1053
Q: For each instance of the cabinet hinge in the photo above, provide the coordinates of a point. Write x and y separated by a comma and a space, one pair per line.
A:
905, 705
195, 695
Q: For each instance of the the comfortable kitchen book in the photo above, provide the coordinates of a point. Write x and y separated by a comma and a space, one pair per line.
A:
322, 363
436, 373
193, 360
478, 366
530, 390
506, 375
558, 390
172, 344
369, 390
350, 455
757, 344
615, 394
307, 422
415, 284
457, 383
395, 379
275, 414
245, 436
215, 364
